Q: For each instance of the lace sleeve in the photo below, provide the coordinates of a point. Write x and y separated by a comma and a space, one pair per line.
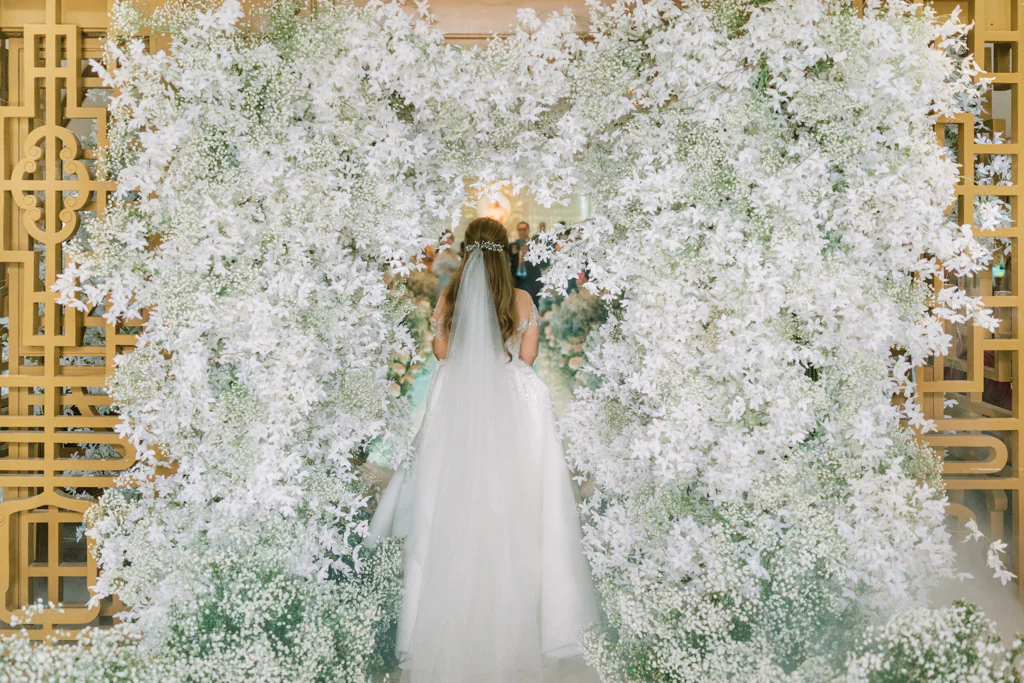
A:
532, 321
435, 329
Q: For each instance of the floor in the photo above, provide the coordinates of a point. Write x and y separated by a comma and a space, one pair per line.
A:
1000, 603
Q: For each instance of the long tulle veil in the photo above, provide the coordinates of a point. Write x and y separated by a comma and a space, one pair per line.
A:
474, 341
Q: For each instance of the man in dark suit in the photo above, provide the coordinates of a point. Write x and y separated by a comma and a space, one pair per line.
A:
517, 249
525, 274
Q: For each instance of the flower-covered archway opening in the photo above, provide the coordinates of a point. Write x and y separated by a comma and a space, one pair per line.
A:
536, 233
768, 180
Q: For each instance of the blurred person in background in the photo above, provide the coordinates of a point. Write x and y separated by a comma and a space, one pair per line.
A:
526, 274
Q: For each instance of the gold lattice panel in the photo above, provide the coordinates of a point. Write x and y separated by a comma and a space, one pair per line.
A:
973, 392
58, 448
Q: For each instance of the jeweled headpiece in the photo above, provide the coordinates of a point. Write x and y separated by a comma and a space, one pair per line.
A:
488, 246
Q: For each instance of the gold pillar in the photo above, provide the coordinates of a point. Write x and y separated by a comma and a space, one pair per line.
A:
58, 448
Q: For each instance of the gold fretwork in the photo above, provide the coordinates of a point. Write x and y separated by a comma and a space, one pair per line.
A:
58, 447
973, 392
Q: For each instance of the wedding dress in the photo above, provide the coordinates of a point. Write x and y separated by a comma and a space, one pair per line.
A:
497, 589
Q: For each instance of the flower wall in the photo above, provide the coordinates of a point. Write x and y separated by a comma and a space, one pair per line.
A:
771, 210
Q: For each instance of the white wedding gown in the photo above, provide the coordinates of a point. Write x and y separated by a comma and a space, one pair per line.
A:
497, 589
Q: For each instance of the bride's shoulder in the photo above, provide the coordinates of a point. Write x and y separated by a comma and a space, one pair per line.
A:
525, 310
523, 300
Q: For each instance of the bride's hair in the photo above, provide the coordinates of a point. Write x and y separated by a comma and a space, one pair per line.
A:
499, 275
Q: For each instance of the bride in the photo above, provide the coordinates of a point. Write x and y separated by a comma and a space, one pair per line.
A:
496, 585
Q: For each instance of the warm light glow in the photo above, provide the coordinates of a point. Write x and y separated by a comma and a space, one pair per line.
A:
495, 205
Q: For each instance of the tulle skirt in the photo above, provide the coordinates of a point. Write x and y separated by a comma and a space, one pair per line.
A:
497, 588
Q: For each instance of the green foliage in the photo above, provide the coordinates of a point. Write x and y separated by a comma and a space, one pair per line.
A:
567, 324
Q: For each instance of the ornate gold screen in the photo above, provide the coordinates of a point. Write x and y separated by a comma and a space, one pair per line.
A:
973, 392
57, 444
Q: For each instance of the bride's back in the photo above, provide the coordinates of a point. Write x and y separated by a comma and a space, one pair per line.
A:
513, 307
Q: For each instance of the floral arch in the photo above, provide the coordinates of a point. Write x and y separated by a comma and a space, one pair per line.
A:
772, 209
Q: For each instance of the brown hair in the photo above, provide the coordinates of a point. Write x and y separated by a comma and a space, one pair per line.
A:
499, 276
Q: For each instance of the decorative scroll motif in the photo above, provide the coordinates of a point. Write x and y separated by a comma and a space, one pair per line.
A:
973, 393
58, 447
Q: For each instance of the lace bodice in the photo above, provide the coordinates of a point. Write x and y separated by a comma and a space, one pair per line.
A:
514, 342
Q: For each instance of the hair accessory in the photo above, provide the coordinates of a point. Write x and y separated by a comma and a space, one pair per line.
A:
489, 246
